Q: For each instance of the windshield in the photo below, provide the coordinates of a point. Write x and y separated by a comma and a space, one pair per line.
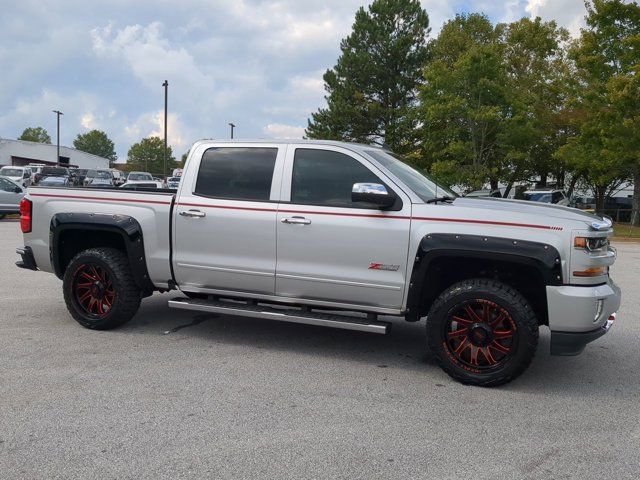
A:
544, 197
11, 172
421, 184
60, 171
139, 176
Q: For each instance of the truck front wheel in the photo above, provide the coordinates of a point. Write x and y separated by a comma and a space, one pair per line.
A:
482, 332
99, 290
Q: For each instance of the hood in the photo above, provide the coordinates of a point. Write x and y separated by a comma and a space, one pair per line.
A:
535, 208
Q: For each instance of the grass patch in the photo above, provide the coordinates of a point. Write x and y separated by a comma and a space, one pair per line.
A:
625, 230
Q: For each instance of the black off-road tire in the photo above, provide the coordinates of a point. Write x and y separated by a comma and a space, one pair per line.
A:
503, 300
114, 266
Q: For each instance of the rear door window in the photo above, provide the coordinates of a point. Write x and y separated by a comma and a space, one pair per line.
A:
237, 173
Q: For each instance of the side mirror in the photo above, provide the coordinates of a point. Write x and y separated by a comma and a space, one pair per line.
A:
17, 190
374, 193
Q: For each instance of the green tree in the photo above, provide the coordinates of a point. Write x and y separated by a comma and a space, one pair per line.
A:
492, 102
373, 86
463, 103
96, 142
537, 72
148, 155
35, 134
607, 57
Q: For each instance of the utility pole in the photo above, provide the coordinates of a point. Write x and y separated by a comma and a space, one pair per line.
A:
58, 113
166, 90
232, 127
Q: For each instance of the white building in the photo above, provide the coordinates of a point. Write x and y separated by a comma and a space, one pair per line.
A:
20, 153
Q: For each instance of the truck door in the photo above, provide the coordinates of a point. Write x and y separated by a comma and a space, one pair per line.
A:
333, 249
224, 226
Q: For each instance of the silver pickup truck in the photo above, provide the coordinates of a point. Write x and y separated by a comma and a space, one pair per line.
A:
333, 234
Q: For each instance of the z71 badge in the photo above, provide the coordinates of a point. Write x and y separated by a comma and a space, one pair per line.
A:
384, 266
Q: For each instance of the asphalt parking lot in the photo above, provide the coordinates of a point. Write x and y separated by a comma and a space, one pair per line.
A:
177, 395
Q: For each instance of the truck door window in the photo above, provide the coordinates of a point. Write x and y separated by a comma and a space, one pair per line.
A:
324, 177
237, 173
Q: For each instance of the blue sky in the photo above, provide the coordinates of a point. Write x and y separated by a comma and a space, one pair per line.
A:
257, 63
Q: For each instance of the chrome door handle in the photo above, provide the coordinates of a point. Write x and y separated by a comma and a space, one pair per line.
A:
193, 213
296, 220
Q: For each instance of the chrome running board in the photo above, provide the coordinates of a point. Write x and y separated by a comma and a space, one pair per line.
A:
294, 315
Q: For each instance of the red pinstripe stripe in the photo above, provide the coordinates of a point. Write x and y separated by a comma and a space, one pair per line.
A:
111, 199
311, 212
226, 207
488, 222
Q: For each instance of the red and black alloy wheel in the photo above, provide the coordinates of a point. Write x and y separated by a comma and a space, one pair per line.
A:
480, 334
99, 289
93, 290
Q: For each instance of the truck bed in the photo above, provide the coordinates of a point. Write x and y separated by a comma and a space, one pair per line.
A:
150, 207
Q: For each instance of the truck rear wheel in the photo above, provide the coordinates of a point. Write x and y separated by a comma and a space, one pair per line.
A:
482, 332
99, 290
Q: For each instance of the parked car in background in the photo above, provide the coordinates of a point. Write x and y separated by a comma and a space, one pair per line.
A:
55, 182
619, 208
118, 177
143, 177
36, 168
484, 193
10, 195
139, 177
80, 175
173, 182
102, 178
20, 175
557, 197
137, 185
584, 203
51, 172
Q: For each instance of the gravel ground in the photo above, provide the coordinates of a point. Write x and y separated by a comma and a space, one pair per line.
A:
176, 395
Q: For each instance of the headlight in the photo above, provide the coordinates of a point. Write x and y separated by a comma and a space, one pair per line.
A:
591, 244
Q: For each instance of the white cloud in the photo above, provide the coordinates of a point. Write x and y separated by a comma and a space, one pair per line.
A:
150, 56
278, 130
314, 84
151, 124
88, 121
567, 13
258, 63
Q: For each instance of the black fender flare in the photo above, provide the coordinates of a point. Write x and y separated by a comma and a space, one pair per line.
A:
543, 257
125, 226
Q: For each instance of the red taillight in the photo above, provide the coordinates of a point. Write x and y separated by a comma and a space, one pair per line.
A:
25, 215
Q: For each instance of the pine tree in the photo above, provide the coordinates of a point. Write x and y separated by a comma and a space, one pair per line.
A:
373, 87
